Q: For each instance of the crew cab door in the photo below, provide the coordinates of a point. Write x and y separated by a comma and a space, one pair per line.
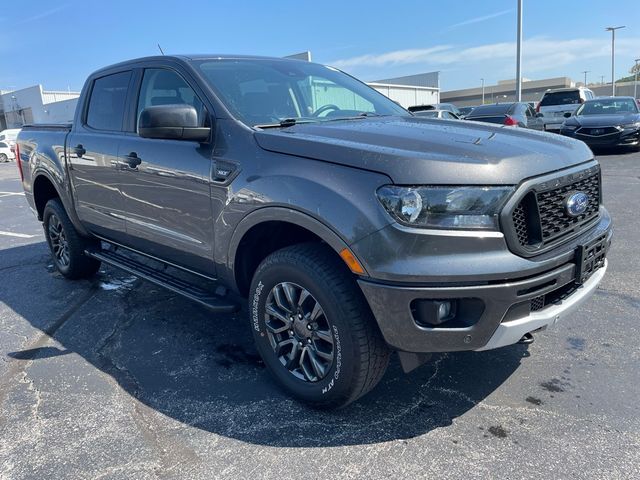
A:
92, 148
165, 183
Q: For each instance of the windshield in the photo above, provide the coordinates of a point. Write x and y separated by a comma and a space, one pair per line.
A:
608, 106
569, 97
267, 92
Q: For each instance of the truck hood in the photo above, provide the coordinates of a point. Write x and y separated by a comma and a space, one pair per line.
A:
413, 150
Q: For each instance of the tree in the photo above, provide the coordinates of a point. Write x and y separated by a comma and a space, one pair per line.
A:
632, 71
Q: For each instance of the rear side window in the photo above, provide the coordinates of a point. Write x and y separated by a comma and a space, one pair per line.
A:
3, 145
571, 97
499, 109
106, 105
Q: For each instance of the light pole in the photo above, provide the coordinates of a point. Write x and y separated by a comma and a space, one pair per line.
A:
613, 57
519, 55
585, 76
482, 80
635, 80
601, 79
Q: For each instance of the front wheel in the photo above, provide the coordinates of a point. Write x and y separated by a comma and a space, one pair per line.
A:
313, 327
3, 157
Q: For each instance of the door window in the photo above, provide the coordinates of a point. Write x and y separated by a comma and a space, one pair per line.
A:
165, 87
107, 101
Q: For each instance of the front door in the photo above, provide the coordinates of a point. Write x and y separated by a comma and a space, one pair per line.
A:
166, 183
92, 156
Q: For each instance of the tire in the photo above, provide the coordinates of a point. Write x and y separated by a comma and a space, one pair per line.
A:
66, 244
342, 336
3, 157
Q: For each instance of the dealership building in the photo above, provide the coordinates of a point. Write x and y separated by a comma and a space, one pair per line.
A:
36, 105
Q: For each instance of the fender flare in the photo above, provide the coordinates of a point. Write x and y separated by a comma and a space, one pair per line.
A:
281, 214
64, 198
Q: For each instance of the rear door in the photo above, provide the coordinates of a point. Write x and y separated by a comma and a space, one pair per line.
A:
167, 197
533, 121
92, 155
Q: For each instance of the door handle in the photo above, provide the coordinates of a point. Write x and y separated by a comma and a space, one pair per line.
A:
79, 150
133, 160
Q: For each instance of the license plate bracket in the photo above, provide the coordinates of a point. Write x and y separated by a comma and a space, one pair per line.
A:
590, 257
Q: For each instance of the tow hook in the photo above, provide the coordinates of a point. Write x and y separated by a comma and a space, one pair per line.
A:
526, 339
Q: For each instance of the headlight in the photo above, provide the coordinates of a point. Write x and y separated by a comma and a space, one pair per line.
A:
631, 126
451, 207
571, 128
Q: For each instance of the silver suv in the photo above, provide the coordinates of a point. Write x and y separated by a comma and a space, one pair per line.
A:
557, 101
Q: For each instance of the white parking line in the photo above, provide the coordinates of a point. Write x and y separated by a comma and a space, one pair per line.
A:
19, 235
8, 194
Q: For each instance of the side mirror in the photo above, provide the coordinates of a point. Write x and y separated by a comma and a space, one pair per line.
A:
539, 115
176, 122
567, 114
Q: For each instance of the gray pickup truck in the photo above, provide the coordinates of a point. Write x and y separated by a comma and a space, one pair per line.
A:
353, 228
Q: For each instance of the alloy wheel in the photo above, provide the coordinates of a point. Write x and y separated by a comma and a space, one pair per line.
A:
299, 332
59, 243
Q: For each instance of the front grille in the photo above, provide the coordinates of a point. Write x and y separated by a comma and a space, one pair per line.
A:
540, 218
537, 303
597, 131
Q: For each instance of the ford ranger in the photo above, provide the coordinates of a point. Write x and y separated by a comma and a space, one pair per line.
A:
353, 228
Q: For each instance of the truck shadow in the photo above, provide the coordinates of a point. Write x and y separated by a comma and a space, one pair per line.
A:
202, 370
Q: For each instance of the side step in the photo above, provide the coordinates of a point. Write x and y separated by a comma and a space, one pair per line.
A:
193, 292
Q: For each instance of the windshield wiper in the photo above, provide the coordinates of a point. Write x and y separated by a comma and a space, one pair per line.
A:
359, 116
287, 122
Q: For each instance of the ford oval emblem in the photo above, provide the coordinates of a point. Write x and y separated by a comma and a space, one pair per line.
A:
577, 203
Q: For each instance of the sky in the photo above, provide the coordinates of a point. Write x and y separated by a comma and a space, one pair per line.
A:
57, 43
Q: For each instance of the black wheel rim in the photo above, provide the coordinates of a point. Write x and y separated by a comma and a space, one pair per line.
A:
299, 332
59, 244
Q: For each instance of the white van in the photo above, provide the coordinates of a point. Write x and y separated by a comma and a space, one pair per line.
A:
557, 101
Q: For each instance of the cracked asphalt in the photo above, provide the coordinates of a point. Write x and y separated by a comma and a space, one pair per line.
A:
115, 378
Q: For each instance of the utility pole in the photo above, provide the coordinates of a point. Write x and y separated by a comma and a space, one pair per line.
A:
635, 82
613, 58
585, 76
482, 80
519, 55
601, 79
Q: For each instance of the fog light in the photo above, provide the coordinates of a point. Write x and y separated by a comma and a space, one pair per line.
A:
444, 310
430, 313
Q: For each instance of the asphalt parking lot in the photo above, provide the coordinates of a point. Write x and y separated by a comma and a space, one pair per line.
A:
115, 378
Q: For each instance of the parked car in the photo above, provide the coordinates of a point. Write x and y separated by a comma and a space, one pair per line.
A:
516, 114
558, 101
437, 106
6, 153
605, 122
353, 229
464, 111
446, 114
9, 137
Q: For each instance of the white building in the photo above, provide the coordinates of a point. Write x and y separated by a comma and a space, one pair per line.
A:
36, 105
418, 89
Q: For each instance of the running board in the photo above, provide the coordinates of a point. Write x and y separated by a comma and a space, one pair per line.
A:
186, 289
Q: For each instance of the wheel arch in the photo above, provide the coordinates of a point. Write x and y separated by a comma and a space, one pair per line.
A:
44, 189
296, 226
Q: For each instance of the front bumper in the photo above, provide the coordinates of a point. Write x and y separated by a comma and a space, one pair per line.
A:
493, 313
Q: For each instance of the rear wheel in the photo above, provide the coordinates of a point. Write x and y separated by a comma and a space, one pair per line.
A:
313, 327
3, 157
66, 244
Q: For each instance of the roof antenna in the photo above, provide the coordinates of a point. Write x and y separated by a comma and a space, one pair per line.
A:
160, 48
